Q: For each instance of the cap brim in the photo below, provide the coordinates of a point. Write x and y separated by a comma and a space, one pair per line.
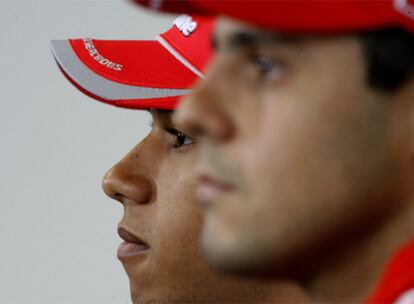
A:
130, 74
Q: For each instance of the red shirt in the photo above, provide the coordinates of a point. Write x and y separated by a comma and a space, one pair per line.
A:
397, 282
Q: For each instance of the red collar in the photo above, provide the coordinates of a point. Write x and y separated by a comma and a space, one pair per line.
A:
397, 278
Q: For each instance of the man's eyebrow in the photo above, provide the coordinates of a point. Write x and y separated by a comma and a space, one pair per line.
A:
162, 117
161, 112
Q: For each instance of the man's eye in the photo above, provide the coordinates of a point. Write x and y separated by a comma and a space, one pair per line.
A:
180, 138
269, 69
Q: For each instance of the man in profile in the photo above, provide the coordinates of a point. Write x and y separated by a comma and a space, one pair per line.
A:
305, 123
155, 181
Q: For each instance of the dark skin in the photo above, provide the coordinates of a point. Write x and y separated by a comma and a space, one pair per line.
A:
305, 172
155, 183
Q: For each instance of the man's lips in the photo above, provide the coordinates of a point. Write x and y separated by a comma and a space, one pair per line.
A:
131, 246
210, 188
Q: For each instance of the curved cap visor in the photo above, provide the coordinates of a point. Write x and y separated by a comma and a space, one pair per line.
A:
301, 16
131, 74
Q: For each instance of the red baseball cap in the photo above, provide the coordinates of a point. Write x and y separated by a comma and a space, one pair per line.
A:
139, 74
302, 16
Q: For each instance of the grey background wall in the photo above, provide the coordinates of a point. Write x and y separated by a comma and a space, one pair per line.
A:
57, 229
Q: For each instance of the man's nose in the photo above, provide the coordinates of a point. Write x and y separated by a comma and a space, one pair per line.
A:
124, 185
204, 115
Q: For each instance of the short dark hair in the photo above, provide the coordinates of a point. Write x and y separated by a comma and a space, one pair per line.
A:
389, 54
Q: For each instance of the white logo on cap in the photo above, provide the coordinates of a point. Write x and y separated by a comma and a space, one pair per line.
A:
185, 24
404, 7
90, 46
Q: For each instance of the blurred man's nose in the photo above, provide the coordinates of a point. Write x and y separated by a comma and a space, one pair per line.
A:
204, 115
124, 185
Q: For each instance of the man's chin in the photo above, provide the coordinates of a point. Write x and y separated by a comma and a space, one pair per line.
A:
140, 291
140, 297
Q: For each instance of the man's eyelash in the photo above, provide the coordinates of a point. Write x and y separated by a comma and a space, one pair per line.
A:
173, 131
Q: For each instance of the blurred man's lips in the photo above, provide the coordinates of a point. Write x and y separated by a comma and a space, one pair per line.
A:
131, 246
210, 188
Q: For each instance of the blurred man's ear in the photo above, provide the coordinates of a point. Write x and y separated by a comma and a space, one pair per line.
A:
402, 107
410, 101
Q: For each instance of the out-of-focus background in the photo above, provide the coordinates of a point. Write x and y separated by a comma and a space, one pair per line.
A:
57, 228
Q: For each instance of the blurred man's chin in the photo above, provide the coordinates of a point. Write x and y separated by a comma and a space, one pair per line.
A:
233, 251
245, 253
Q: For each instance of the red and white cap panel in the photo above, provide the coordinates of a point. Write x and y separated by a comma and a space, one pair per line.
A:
406, 298
135, 73
397, 282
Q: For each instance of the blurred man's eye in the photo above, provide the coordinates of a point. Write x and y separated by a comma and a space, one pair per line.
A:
269, 69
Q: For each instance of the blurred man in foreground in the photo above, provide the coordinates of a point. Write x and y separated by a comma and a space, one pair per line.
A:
305, 125
155, 181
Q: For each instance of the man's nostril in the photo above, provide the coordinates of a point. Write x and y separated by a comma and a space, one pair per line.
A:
118, 196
